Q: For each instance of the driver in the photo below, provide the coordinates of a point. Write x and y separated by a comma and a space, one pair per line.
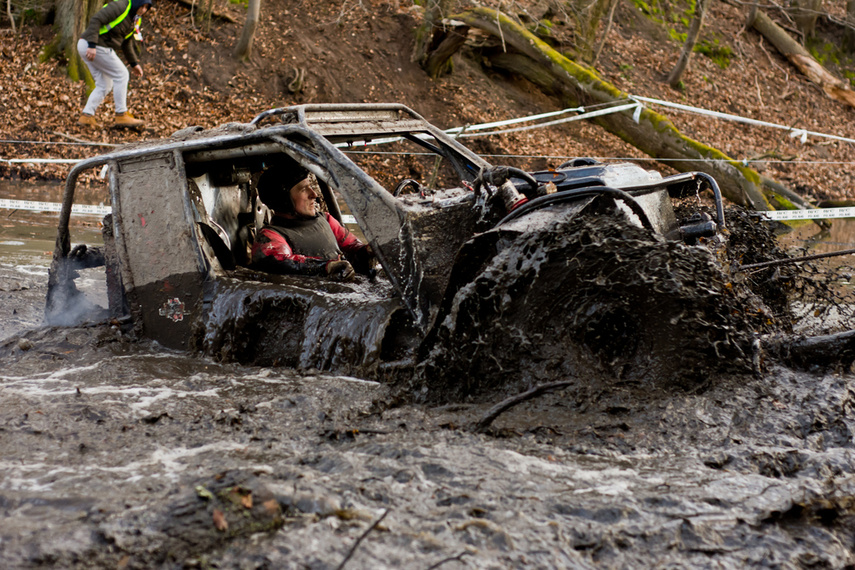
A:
299, 239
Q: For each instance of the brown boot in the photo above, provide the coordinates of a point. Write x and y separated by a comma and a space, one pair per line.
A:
127, 120
87, 120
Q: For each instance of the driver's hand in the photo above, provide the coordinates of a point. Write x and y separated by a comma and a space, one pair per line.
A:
365, 261
340, 271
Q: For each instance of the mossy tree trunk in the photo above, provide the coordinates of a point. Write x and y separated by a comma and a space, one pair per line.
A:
72, 16
575, 84
433, 38
676, 75
244, 47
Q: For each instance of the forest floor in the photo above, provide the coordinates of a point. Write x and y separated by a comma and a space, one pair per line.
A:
353, 51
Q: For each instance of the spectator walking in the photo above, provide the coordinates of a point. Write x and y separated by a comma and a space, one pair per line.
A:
114, 26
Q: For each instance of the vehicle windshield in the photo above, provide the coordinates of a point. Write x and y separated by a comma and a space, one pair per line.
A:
418, 157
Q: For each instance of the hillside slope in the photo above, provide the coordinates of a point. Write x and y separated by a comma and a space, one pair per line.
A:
359, 51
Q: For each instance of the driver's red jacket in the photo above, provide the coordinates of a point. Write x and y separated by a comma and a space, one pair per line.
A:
273, 252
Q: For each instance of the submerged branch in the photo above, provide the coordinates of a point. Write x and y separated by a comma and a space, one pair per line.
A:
361, 538
509, 403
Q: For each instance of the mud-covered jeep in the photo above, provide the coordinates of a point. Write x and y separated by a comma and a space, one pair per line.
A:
465, 270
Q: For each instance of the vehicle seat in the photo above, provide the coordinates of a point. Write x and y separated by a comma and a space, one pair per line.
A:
225, 218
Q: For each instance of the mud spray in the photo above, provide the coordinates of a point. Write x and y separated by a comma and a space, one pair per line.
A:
601, 301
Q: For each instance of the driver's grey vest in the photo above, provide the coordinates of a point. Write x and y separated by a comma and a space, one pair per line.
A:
310, 237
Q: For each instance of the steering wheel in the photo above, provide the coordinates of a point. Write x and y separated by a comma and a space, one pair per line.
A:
408, 183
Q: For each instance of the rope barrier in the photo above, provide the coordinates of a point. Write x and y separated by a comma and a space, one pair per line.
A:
603, 158
14, 141
779, 262
633, 102
802, 134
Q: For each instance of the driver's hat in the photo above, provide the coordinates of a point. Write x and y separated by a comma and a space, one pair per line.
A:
274, 186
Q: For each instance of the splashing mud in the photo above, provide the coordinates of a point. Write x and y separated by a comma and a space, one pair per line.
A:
120, 454
597, 299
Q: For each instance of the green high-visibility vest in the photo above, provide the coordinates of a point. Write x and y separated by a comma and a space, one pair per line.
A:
117, 21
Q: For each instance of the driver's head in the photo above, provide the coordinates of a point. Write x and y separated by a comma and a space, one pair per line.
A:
288, 189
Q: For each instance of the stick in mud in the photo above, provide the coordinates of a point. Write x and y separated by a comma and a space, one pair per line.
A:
796, 259
360, 539
459, 557
508, 403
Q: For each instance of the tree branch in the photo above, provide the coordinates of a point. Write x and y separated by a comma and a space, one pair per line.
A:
220, 15
803, 60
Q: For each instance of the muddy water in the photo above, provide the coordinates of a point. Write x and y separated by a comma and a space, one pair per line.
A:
124, 455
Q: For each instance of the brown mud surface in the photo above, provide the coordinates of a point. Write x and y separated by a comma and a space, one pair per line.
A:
122, 455
117, 453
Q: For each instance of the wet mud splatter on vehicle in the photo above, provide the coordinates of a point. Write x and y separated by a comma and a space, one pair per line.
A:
595, 299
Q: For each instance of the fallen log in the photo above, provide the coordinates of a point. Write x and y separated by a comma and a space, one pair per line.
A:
834, 87
653, 133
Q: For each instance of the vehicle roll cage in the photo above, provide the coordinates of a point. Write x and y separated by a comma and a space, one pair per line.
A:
338, 124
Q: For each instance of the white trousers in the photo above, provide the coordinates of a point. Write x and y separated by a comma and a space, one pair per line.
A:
109, 72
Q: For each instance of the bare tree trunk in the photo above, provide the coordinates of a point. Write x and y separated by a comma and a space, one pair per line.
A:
207, 15
799, 56
587, 14
752, 13
575, 84
605, 35
805, 14
438, 60
9, 13
849, 34
244, 46
676, 74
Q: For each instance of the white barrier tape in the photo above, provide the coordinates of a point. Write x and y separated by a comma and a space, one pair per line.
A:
802, 133
636, 115
82, 209
41, 160
813, 214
